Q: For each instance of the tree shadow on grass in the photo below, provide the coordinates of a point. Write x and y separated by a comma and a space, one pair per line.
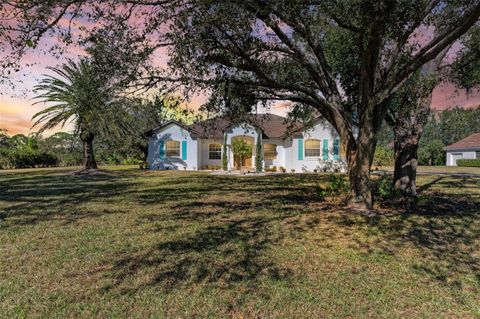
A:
225, 225
220, 231
222, 255
426, 186
31, 198
213, 239
442, 232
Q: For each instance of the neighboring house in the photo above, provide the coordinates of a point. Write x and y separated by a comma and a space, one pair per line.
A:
468, 148
200, 146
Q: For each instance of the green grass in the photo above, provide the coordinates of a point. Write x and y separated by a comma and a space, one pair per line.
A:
443, 169
138, 244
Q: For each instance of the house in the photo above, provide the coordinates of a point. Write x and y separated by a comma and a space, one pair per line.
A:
199, 146
468, 148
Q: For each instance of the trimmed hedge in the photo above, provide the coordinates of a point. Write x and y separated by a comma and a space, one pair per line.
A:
469, 162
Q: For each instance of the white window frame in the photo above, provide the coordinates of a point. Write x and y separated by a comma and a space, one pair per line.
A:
167, 149
275, 153
215, 151
319, 148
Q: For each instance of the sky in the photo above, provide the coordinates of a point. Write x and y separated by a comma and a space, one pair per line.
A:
16, 109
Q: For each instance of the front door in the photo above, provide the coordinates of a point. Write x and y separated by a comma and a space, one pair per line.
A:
246, 162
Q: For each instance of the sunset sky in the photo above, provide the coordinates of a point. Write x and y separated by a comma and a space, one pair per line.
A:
16, 108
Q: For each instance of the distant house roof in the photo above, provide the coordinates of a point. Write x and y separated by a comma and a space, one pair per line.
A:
472, 141
271, 125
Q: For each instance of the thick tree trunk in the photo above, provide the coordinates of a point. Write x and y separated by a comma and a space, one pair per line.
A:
360, 193
359, 162
408, 122
359, 153
408, 129
406, 159
88, 157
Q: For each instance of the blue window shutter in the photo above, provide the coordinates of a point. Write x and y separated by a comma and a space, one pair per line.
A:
336, 143
300, 149
325, 150
161, 150
184, 150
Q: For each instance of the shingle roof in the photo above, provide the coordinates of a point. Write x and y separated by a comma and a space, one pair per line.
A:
150, 131
472, 141
272, 126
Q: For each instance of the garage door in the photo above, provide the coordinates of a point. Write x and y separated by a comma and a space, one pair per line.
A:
455, 157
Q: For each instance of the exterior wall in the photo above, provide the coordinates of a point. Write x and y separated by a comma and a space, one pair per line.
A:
172, 132
289, 154
465, 154
204, 160
287, 150
279, 160
320, 131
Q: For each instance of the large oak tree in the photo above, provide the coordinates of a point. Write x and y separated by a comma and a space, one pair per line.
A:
277, 50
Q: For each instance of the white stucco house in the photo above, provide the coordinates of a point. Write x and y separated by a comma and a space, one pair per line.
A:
199, 146
468, 148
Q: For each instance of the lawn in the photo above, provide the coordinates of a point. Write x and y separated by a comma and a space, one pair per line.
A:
142, 244
442, 169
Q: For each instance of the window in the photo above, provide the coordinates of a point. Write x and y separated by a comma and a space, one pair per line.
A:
269, 152
312, 148
172, 148
214, 151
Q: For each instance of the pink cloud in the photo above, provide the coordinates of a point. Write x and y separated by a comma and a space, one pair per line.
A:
16, 113
446, 95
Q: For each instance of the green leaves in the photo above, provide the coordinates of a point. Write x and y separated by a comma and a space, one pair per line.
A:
241, 148
30, 43
465, 71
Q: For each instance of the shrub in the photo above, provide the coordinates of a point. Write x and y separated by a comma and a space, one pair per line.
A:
224, 154
259, 155
271, 169
469, 162
283, 169
45, 159
331, 167
26, 158
384, 188
383, 156
335, 185
132, 161
321, 191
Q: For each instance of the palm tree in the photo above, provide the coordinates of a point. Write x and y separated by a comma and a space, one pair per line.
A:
81, 95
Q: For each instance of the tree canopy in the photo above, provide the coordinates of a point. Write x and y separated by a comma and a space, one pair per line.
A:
285, 50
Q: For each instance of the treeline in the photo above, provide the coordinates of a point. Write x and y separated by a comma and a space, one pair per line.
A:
62, 149
66, 149
442, 129
20, 151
